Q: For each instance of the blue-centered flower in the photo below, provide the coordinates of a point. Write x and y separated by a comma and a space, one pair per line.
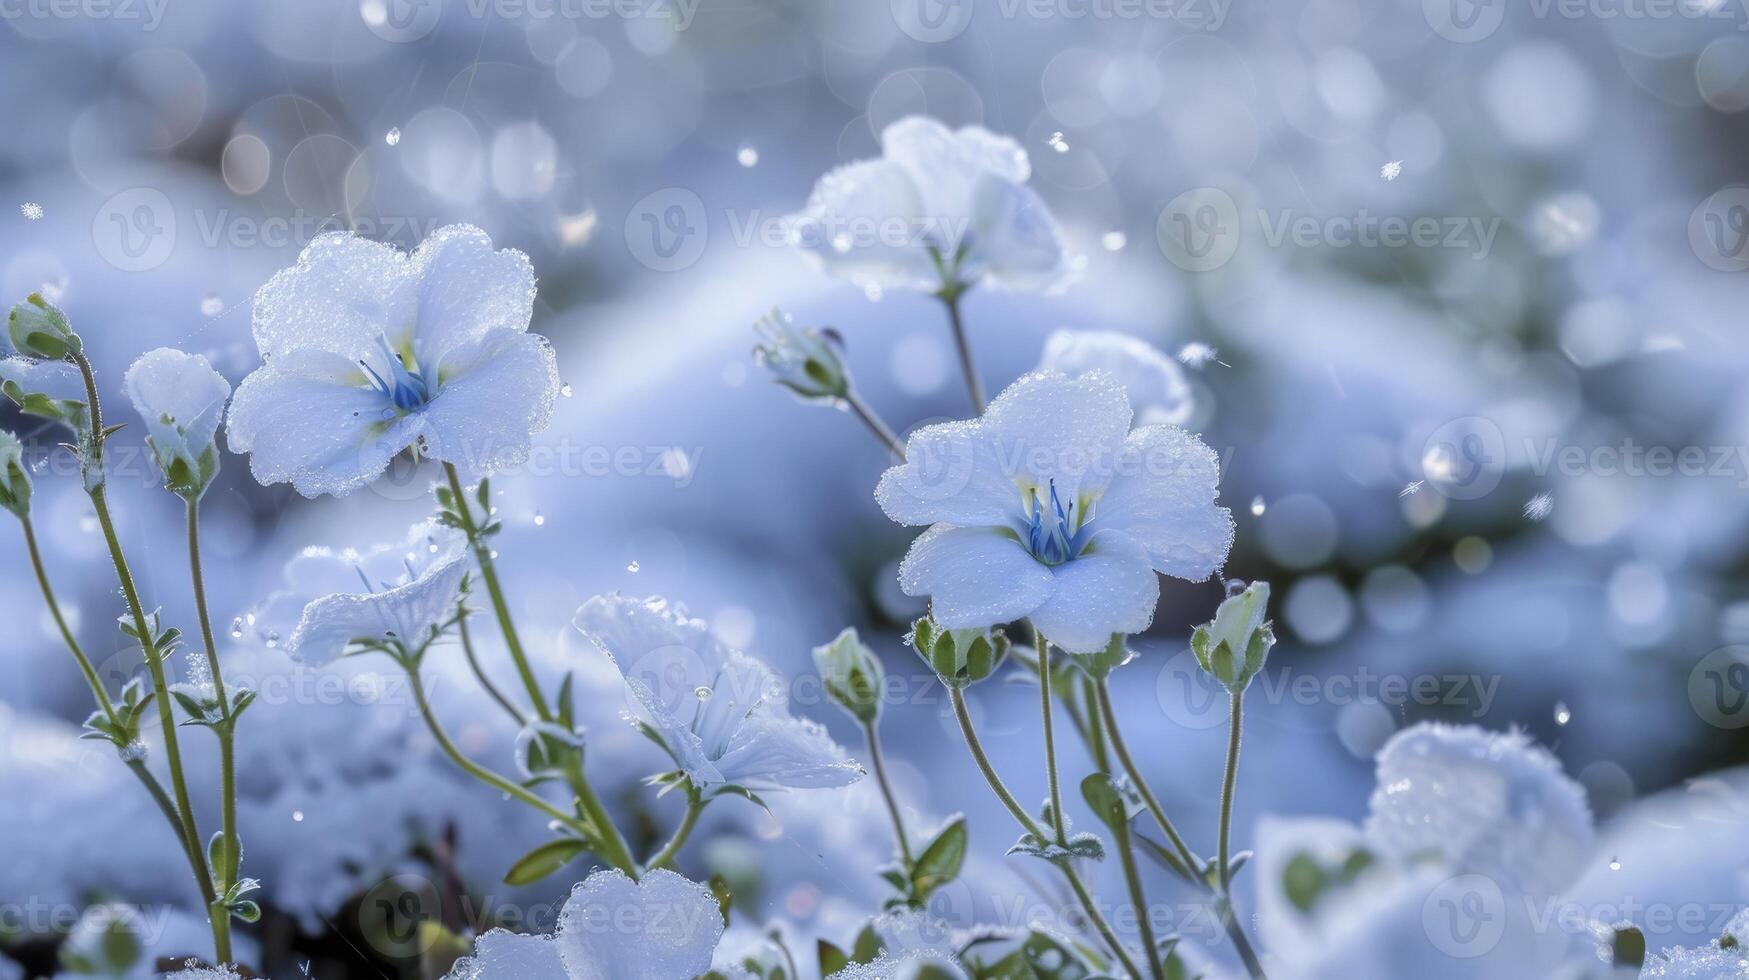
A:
1050, 508
368, 351
722, 715
401, 593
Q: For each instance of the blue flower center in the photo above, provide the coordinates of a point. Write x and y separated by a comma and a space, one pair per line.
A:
1055, 533
405, 389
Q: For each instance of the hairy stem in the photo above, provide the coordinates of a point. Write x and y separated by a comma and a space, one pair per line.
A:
664, 857
617, 852
878, 761
480, 674
226, 732
1235, 725
950, 297
1043, 647
154, 660
1031, 826
1133, 878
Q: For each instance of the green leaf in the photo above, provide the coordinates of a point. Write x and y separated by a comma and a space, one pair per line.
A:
725, 896
832, 959
247, 911
1302, 880
940, 862
1159, 853
1104, 800
224, 856
868, 945
544, 860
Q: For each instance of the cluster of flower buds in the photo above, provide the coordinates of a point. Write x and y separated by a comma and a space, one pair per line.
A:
959, 657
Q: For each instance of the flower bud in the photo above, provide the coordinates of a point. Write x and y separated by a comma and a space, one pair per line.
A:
1233, 647
14, 476
809, 362
182, 400
959, 657
38, 328
852, 675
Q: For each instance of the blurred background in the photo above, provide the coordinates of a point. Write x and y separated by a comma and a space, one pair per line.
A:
1495, 473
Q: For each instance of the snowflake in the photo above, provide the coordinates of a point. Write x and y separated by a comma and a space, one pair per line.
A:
1412, 489
1392, 170
1539, 507
31, 210
1196, 354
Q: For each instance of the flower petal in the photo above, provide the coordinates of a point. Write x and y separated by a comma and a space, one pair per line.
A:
949, 165
974, 576
342, 295
1015, 243
408, 613
465, 290
52, 379
303, 418
657, 928
493, 394
866, 222
504, 955
1162, 497
952, 473
170, 384
773, 750
1047, 427
1154, 382
1109, 589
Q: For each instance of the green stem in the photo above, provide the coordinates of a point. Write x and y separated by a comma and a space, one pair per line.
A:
154, 662
474, 769
489, 572
480, 673
1043, 647
226, 731
1031, 826
1103, 692
104, 704
950, 297
1138, 898
1234, 726
880, 429
665, 856
877, 759
617, 852
1094, 730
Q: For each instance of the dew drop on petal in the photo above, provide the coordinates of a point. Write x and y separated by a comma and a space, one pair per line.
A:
565, 389
1235, 586
702, 693
393, 136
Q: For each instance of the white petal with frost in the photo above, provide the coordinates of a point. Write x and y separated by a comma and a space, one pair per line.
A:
180, 398
54, 379
1162, 497
497, 391
975, 576
1110, 589
1154, 382
661, 927
421, 595
504, 955
865, 222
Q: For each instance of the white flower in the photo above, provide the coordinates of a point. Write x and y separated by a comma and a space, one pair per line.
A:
1486, 803
401, 592
1704, 963
660, 927
1050, 508
720, 713
1155, 383
182, 400
368, 351
938, 210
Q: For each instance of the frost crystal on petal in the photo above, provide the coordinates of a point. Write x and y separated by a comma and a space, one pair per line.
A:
657, 928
